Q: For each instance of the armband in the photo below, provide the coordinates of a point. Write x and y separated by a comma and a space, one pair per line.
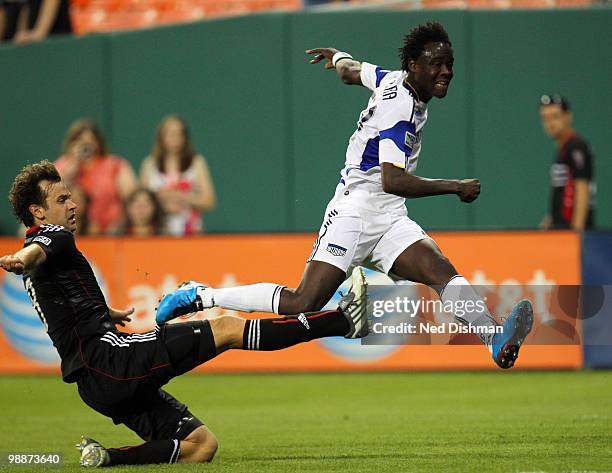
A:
339, 56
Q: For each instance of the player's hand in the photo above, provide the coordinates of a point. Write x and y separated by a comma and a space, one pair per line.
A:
12, 264
469, 190
120, 317
322, 53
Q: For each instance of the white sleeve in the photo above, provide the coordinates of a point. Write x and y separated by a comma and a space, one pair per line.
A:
371, 75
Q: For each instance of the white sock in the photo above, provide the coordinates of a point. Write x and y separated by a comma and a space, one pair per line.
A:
459, 291
261, 297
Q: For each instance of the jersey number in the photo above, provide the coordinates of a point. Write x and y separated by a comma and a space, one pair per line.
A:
32, 293
365, 116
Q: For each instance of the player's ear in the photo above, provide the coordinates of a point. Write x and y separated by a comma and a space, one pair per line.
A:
412, 65
37, 211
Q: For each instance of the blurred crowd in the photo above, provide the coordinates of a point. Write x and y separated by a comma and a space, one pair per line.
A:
168, 196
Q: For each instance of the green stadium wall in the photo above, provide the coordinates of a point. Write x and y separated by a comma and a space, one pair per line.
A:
274, 128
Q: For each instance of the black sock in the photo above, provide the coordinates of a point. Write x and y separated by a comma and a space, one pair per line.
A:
279, 333
155, 451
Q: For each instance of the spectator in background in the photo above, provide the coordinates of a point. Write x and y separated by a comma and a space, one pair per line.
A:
571, 174
106, 180
179, 177
144, 216
29, 21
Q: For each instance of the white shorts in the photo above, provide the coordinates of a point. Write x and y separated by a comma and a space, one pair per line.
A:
351, 236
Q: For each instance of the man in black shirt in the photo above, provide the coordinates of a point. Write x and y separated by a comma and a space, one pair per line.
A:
119, 374
571, 174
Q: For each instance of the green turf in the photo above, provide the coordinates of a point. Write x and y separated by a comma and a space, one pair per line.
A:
414, 422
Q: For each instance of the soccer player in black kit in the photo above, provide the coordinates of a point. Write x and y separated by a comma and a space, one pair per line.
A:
119, 374
572, 179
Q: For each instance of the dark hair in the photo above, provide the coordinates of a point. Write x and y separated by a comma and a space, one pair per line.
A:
554, 99
26, 190
159, 149
78, 127
157, 219
418, 38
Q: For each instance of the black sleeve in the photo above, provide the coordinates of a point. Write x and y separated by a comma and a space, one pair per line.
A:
580, 160
55, 242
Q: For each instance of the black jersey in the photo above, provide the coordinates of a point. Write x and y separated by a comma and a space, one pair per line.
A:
573, 160
66, 295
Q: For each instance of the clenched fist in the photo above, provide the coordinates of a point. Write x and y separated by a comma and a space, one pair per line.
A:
469, 190
12, 264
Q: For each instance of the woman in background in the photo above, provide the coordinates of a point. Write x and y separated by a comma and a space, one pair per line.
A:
144, 215
179, 177
105, 179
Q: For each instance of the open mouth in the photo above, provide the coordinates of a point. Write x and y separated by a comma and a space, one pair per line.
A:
441, 84
72, 219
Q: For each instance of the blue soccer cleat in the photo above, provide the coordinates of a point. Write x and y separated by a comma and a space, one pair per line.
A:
517, 326
185, 300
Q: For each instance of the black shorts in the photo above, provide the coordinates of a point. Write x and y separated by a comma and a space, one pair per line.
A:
124, 374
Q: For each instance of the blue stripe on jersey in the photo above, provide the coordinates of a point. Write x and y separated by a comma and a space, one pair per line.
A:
380, 75
369, 159
398, 134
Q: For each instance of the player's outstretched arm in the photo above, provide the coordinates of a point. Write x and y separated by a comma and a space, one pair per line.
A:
396, 181
26, 258
347, 68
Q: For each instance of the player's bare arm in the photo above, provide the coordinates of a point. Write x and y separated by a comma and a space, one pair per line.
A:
396, 181
25, 259
349, 70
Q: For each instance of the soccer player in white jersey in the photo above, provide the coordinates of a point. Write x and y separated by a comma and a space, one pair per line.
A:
366, 222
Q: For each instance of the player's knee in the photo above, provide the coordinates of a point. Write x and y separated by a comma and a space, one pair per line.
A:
439, 270
444, 270
206, 445
208, 449
227, 330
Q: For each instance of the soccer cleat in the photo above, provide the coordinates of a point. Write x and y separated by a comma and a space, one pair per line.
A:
93, 455
354, 305
184, 300
506, 345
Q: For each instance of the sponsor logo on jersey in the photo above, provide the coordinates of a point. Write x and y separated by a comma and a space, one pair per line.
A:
411, 140
42, 239
336, 250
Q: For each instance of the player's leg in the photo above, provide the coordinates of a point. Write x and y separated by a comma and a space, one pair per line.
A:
318, 284
190, 344
416, 257
199, 446
170, 432
423, 262
334, 252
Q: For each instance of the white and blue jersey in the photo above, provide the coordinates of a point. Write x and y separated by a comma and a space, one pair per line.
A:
388, 131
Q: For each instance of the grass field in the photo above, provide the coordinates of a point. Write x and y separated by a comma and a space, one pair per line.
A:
414, 422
